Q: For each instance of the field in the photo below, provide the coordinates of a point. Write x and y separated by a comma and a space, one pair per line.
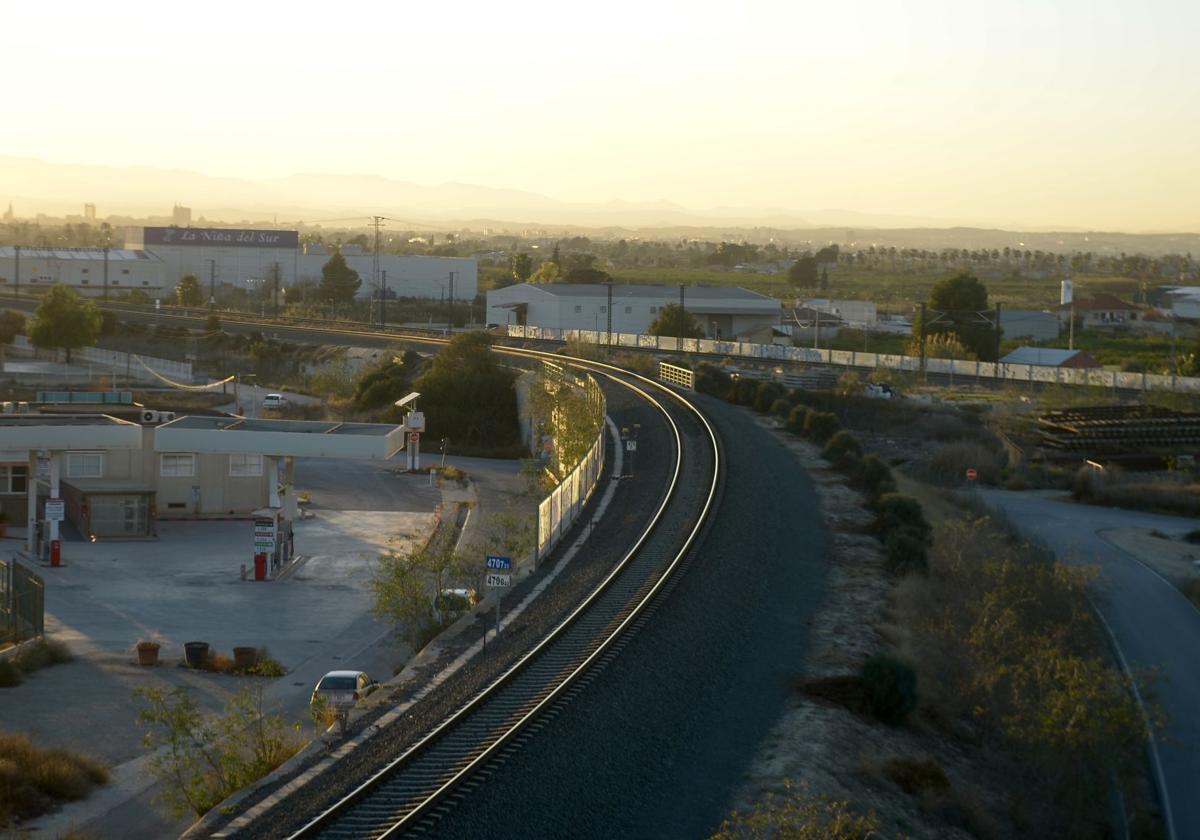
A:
893, 291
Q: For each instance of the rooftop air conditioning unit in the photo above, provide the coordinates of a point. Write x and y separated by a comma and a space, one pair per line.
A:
150, 416
7, 407
23, 407
166, 416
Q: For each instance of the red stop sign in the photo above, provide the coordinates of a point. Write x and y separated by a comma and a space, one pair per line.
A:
971, 474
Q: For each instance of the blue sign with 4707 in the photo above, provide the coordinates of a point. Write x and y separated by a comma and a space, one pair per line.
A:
495, 561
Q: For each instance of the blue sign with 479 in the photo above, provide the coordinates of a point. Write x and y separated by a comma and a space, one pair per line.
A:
495, 561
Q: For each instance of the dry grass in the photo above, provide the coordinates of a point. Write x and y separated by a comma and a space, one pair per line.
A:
1191, 589
1115, 489
35, 780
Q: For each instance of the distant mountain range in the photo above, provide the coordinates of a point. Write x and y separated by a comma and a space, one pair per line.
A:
35, 186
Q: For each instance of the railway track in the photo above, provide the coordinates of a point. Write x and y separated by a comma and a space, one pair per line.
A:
411, 791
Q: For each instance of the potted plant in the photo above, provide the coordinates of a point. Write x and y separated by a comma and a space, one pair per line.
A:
147, 652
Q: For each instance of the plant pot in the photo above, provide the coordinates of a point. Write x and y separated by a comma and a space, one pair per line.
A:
147, 654
245, 658
195, 654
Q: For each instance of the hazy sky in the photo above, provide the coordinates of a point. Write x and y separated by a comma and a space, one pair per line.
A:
1053, 112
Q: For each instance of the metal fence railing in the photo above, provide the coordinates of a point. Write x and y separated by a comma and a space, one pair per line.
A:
676, 375
22, 603
559, 510
1013, 373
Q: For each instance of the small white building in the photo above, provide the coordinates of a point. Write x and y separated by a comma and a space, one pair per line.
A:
86, 270
723, 311
855, 313
1029, 323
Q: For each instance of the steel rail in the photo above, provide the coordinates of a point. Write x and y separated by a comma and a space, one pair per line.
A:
579, 659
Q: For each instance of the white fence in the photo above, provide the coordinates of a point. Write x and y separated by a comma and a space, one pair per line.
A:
1014, 373
558, 511
121, 364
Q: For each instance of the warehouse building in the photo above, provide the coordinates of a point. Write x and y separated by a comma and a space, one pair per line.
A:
723, 311
403, 276
246, 257
89, 271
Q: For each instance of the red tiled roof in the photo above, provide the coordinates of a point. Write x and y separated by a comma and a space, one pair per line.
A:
1101, 301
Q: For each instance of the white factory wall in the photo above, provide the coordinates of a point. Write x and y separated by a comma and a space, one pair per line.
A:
233, 265
407, 276
84, 274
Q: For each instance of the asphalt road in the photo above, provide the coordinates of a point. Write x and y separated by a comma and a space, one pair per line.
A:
1151, 622
658, 743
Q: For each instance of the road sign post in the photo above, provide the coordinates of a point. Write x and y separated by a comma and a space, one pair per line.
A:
495, 564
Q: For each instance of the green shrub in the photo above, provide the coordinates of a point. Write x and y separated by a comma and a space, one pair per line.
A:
898, 512
916, 776
874, 477
905, 553
766, 395
843, 450
10, 674
744, 391
41, 654
795, 420
780, 408
891, 688
820, 426
711, 380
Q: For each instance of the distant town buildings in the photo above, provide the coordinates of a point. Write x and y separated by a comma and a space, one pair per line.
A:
181, 216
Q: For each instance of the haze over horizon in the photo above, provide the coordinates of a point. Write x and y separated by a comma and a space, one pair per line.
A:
1066, 117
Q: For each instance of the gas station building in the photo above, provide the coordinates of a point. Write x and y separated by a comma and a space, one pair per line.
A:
112, 478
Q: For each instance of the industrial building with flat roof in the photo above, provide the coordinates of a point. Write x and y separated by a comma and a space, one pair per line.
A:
89, 271
245, 257
722, 311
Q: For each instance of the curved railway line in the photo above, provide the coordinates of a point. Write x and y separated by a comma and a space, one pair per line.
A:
408, 792
411, 790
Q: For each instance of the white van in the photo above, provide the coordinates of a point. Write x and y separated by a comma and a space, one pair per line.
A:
274, 401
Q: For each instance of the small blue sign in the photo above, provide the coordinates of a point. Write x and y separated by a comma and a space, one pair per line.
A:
495, 561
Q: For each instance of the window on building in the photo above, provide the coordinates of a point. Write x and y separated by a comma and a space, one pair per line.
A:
628, 310
603, 308
177, 465
85, 271
84, 281
245, 465
13, 478
653, 310
145, 282
124, 270
85, 465
116, 282
578, 308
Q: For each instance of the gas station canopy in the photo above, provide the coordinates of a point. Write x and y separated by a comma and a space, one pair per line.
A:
281, 438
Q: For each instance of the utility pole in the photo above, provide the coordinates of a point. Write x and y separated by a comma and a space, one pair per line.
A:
106, 271
377, 223
682, 320
17, 268
275, 292
816, 328
450, 316
212, 283
921, 315
608, 339
998, 332
383, 301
